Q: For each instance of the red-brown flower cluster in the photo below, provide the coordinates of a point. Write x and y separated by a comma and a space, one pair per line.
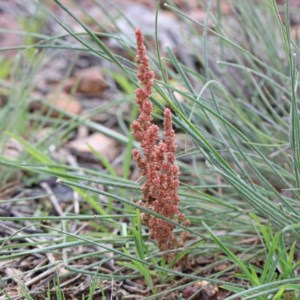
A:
157, 163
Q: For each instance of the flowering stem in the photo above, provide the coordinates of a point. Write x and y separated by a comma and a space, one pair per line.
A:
157, 163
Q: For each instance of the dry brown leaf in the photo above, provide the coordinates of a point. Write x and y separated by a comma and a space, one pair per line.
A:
82, 132
295, 32
225, 8
13, 149
44, 133
16, 274
207, 287
64, 102
89, 81
178, 95
9, 22
99, 142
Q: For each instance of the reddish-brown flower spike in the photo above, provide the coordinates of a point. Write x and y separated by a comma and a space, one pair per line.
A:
160, 190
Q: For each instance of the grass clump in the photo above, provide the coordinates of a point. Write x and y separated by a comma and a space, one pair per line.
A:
233, 94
